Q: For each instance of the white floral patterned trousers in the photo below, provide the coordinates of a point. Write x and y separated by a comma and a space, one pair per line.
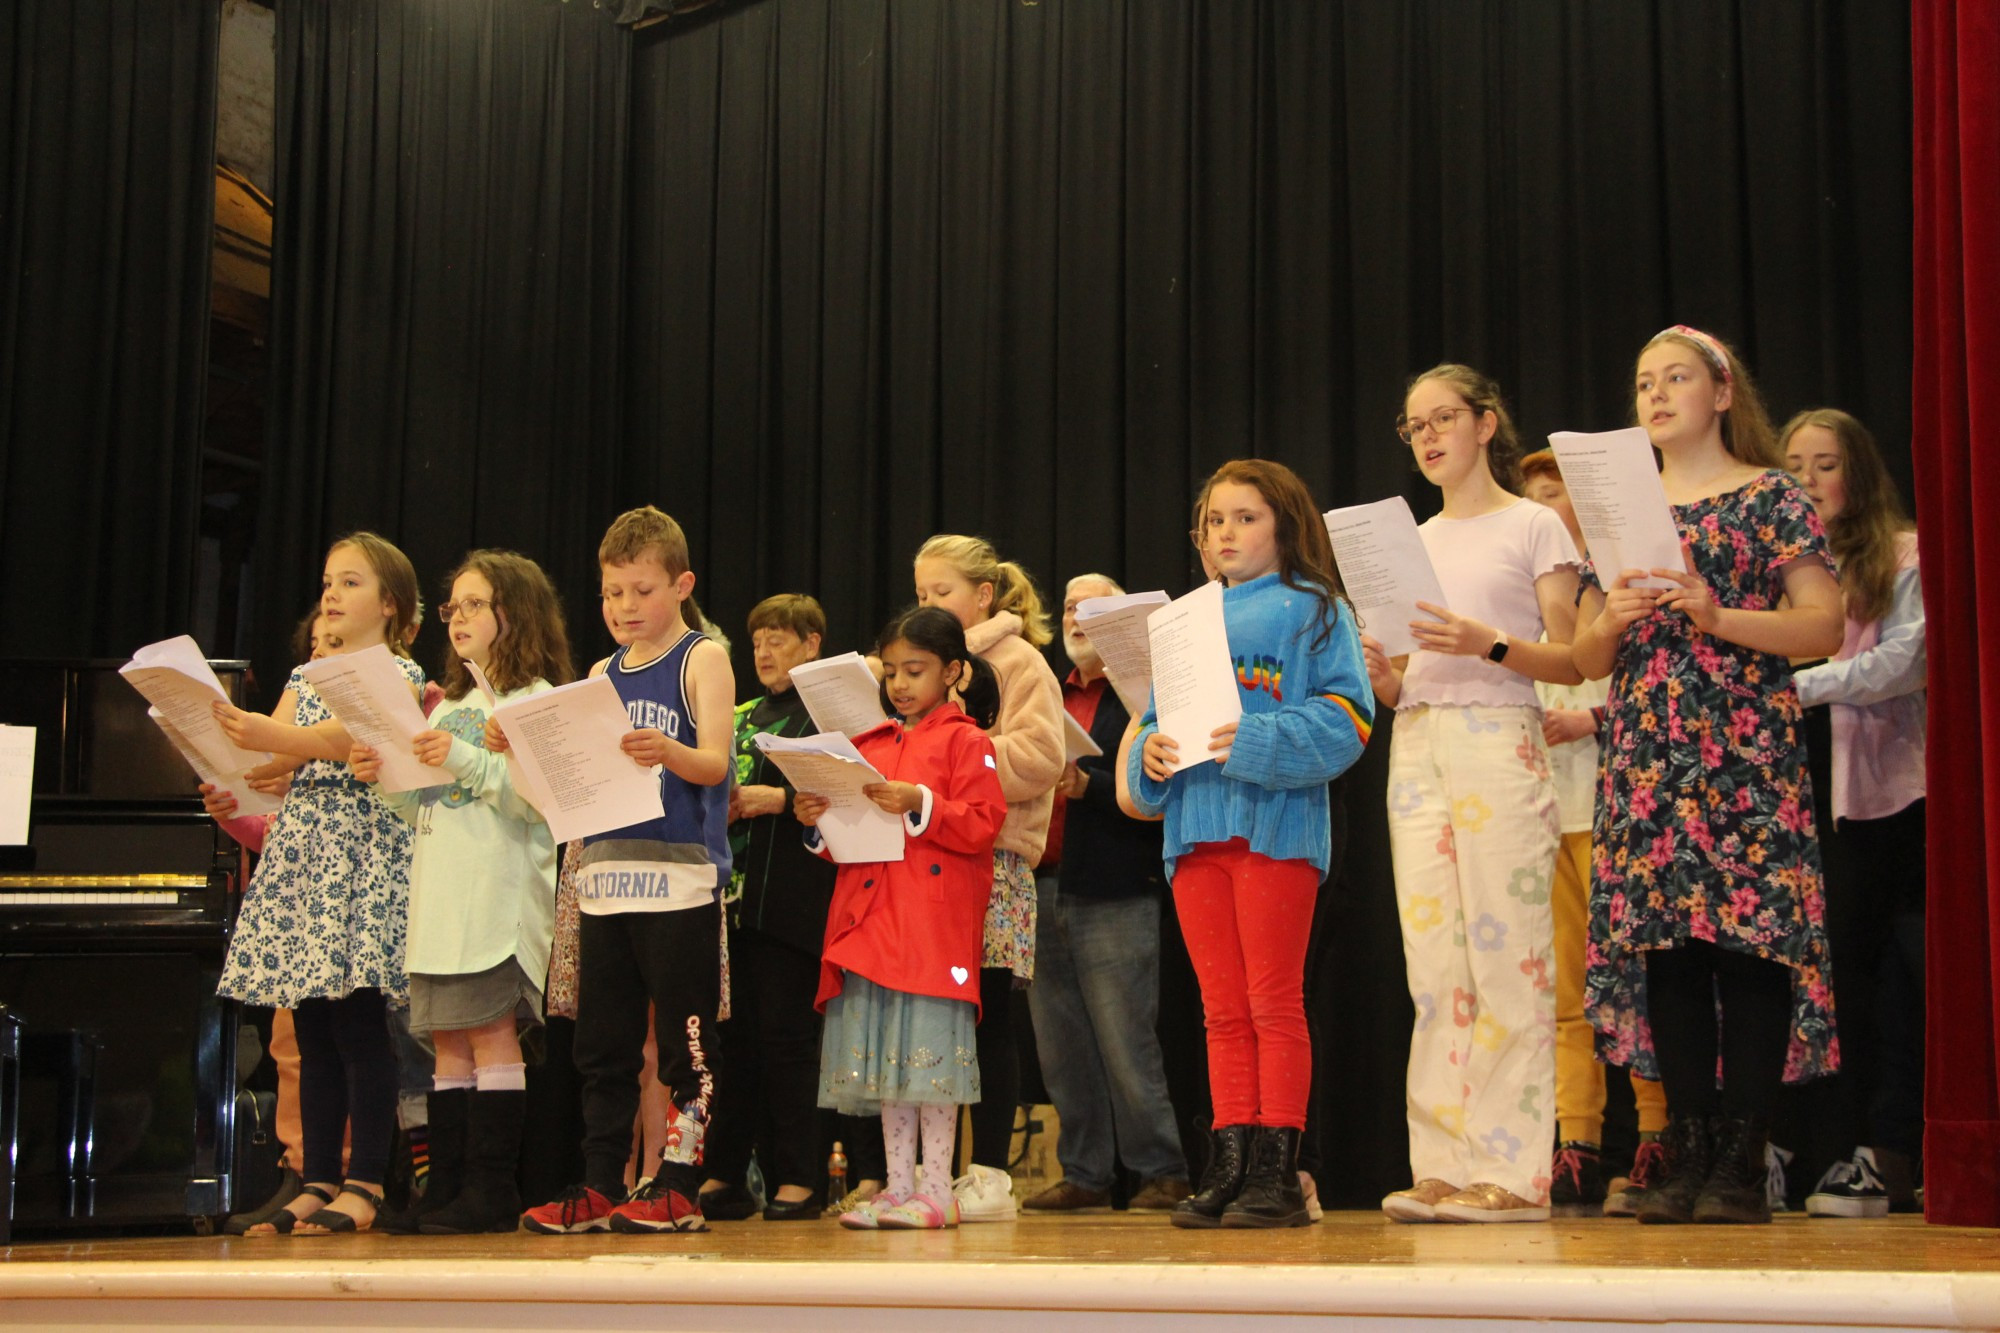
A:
1473, 834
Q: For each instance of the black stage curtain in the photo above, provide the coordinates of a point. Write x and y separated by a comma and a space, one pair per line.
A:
448, 291
1034, 270
107, 117
822, 277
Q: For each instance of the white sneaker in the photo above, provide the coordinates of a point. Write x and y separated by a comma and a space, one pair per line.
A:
985, 1195
1850, 1188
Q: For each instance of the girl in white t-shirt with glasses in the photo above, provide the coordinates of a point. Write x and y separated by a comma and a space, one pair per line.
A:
1473, 826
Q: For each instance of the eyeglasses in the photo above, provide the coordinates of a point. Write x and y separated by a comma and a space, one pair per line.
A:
472, 606
1408, 428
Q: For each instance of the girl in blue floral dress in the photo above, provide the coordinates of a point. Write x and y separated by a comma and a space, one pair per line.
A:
321, 931
1706, 936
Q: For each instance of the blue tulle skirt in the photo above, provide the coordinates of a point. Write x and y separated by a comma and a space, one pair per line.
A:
881, 1045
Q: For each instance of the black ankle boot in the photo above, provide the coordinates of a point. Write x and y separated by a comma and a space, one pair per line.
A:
1228, 1154
489, 1199
1735, 1190
1689, 1151
446, 1111
1270, 1196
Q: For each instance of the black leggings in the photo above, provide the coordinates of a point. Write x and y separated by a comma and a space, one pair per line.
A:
770, 1101
999, 1070
1683, 986
347, 1076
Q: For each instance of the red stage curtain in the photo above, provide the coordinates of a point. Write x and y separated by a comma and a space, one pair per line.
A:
1956, 66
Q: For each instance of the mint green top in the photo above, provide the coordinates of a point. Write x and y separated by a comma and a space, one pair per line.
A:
483, 874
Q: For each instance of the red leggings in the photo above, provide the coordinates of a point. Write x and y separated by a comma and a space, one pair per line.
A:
1246, 919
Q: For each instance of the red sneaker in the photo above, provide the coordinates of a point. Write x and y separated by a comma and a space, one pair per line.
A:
577, 1210
658, 1206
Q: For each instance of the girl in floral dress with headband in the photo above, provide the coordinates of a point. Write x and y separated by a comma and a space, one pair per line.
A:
1706, 936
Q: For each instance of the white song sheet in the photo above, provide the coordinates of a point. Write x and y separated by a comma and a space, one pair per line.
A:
1116, 628
1076, 741
841, 693
176, 679
855, 828
372, 698
1385, 569
182, 688
249, 801
567, 741
1614, 485
517, 772
17, 782
1194, 680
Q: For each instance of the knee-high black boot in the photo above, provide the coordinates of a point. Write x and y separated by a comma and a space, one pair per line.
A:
489, 1200
447, 1112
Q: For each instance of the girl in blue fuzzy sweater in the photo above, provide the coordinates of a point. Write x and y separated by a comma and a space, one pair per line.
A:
1247, 836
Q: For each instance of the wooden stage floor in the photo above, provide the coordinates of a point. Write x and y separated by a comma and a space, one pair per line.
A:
1093, 1271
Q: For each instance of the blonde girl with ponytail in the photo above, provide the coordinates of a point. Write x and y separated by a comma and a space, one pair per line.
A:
1006, 625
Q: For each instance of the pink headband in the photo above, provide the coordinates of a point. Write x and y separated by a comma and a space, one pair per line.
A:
1708, 345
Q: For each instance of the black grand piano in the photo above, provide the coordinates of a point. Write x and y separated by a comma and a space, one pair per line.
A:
113, 923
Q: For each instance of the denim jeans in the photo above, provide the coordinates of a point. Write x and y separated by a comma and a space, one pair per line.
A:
416, 1063
1095, 1001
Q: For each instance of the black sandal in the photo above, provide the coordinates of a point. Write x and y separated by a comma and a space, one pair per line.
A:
343, 1223
285, 1219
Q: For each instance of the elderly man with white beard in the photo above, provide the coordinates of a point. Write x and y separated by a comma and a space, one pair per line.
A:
1095, 998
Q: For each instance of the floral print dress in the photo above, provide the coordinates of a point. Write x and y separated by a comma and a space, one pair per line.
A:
1704, 820
327, 910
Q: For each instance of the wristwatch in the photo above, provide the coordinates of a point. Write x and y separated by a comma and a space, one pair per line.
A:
1498, 652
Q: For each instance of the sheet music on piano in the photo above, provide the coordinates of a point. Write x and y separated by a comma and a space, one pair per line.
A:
17, 777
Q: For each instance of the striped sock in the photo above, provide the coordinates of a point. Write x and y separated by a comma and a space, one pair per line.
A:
419, 1138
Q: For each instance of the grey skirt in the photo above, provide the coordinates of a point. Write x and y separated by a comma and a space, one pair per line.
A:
466, 1000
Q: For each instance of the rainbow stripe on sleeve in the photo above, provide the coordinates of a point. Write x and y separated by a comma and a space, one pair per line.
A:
1364, 721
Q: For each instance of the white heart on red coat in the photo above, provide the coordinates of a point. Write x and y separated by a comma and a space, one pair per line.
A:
959, 975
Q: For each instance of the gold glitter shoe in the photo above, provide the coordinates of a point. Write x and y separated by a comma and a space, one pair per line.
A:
1483, 1202
1419, 1202
853, 1199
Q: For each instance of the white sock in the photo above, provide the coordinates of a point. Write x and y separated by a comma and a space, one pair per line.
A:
445, 1083
501, 1078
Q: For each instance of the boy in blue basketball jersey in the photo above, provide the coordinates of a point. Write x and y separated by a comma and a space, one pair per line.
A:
651, 894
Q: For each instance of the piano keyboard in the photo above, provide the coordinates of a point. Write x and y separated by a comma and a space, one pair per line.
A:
87, 898
115, 891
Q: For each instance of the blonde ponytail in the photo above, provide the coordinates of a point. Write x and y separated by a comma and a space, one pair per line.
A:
1015, 591
975, 561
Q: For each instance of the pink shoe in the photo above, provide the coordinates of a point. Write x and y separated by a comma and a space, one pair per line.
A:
865, 1216
920, 1212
